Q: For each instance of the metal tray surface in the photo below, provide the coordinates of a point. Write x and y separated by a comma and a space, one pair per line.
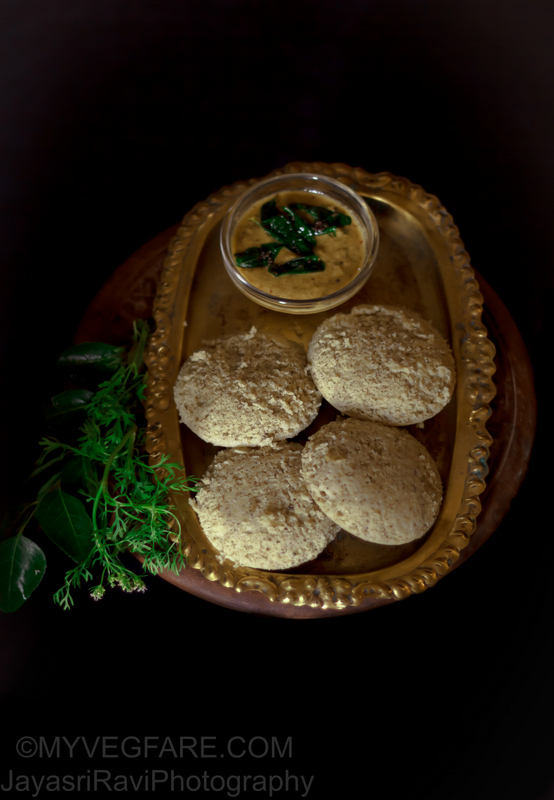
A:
422, 265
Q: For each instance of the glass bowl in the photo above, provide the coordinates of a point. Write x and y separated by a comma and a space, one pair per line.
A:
329, 191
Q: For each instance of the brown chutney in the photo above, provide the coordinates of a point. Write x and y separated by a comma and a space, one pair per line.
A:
343, 254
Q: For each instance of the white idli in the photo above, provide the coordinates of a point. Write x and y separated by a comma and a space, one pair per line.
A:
247, 390
375, 481
382, 364
254, 507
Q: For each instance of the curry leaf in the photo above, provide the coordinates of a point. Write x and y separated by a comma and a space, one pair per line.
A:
79, 473
298, 266
22, 566
263, 256
301, 227
91, 359
269, 210
68, 409
66, 522
45, 488
283, 227
325, 218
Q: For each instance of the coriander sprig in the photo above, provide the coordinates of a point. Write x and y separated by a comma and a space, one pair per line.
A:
102, 497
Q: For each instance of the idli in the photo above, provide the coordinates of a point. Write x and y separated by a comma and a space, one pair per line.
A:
374, 480
247, 390
254, 507
383, 364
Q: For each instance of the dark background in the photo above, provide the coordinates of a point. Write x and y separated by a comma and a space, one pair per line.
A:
115, 118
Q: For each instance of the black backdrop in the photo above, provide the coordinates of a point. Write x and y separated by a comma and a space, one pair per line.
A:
116, 117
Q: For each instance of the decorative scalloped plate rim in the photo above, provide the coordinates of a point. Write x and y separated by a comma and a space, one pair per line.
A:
474, 393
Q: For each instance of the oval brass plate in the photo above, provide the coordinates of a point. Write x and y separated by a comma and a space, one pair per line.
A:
422, 265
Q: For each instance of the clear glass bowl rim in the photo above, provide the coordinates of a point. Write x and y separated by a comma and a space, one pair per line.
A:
365, 216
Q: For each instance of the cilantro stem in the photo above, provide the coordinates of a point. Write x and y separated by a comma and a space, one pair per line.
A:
103, 488
131, 433
137, 351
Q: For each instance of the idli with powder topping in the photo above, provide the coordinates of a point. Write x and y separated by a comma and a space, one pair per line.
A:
247, 390
383, 364
375, 481
254, 507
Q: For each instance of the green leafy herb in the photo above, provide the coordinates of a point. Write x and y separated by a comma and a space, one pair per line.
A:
64, 519
298, 266
263, 256
68, 409
325, 219
105, 498
296, 233
79, 473
286, 227
22, 566
91, 361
